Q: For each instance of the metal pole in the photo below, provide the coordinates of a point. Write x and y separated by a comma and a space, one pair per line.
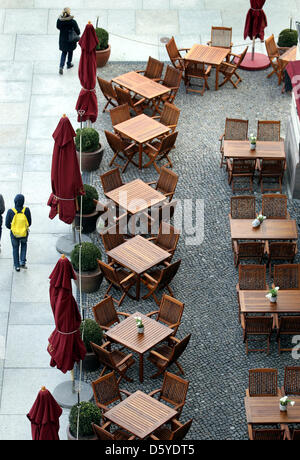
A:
253, 49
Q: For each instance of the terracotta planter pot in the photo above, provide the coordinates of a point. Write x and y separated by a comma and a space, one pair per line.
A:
85, 438
102, 56
90, 281
90, 362
90, 161
89, 221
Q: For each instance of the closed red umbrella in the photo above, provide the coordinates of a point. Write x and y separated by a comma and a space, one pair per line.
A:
87, 71
66, 179
44, 417
65, 344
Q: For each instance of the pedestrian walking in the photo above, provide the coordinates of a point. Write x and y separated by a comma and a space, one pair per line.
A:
18, 221
68, 37
2, 209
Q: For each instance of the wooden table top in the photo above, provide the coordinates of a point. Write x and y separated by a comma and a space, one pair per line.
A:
208, 54
289, 55
265, 410
126, 333
264, 150
288, 301
140, 414
141, 85
141, 128
136, 196
138, 254
270, 229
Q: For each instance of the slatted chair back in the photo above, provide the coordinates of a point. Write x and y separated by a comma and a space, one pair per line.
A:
242, 207
167, 143
112, 238
104, 356
114, 141
109, 273
105, 313
251, 249
292, 380
167, 237
120, 114
252, 277
284, 250
236, 129
272, 168
263, 382
106, 389
172, 78
168, 179
242, 166
268, 131
174, 54
181, 432
154, 69
167, 274
124, 97
111, 180
289, 325
296, 435
286, 276
170, 115
221, 37
271, 47
268, 434
274, 206
174, 389
161, 214
107, 91
179, 348
170, 311
102, 434
229, 70
258, 325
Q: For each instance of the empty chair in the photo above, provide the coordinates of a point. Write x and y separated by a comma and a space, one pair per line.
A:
263, 382
121, 149
175, 56
248, 250
169, 313
296, 435
104, 435
108, 92
288, 326
160, 150
111, 180
221, 37
112, 238
273, 54
269, 434
172, 80
165, 355
271, 169
153, 69
166, 182
160, 279
118, 278
114, 360
242, 207
229, 70
242, 169
268, 130
167, 238
177, 432
252, 277
291, 384
286, 276
124, 97
120, 114
106, 391
173, 391
283, 250
235, 130
274, 206
159, 214
258, 326
169, 116
105, 313
196, 71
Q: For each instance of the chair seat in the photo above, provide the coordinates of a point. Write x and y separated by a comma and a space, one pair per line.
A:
122, 274
117, 356
164, 350
163, 433
196, 71
121, 435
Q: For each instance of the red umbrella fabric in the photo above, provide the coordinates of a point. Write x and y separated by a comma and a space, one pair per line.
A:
87, 71
44, 417
66, 179
256, 20
65, 344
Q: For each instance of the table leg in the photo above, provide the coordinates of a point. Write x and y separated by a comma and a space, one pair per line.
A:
138, 287
141, 370
140, 156
217, 78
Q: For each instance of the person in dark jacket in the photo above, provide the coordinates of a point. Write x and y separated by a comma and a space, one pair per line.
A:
17, 243
65, 24
2, 209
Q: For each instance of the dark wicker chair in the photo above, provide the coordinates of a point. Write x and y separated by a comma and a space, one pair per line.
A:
286, 276
268, 130
240, 168
118, 278
229, 70
177, 432
166, 355
121, 149
169, 116
235, 130
274, 206
106, 391
248, 250
173, 391
160, 279
283, 250
258, 326
263, 382
291, 384
175, 56
242, 207
275, 434
124, 97
111, 180
114, 360
169, 313
120, 114
105, 313
160, 150
104, 435
108, 92
153, 69
252, 277
288, 325
167, 238
271, 169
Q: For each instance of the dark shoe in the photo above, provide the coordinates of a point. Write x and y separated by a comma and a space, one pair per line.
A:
17, 269
61, 71
69, 66
24, 267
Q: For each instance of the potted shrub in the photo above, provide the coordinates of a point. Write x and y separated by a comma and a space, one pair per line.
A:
92, 151
89, 213
103, 48
286, 39
91, 332
91, 276
88, 413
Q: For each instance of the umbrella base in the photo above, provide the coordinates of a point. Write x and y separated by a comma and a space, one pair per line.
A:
260, 62
65, 396
65, 244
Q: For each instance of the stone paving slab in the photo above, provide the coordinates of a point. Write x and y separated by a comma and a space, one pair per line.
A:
7, 47
31, 313
36, 187
42, 248
13, 71
14, 113
44, 224
157, 21
12, 135
42, 147
27, 21
24, 284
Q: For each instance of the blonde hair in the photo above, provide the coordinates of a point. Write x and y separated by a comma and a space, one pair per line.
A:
66, 12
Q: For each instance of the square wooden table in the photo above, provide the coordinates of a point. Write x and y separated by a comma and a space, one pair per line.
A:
264, 150
141, 85
140, 414
211, 55
270, 229
136, 196
127, 335
141, 129
138, 255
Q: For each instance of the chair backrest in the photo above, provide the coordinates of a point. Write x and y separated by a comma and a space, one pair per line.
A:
174, 389
123, 96
167, 180
272, 167
102, 434
236, 130
296, 435
292, 380
168, 142
221, 37
168, 273
170, 310
263, 382
242, 207
274, 434
111, 180
103, 355
119, 114
258, 324
154, 68
107, 88
114, 141
162, 213
179, 348
170, 115
251, 249
182, 431
289, 325
274, 206
286, 276
108, 272
105, 313
106, 389
241, 57
282, 250
271, 47
242, 166
173, 52
252, 277
172, 77
268, 130
112, 238
167, 237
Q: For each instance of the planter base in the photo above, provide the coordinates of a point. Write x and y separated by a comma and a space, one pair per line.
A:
65, 396
260, 62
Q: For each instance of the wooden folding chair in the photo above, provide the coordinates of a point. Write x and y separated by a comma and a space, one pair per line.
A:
106, 391
173, 391
273, 55
229, 70
258, 326
242, 207
160, 279
119, 279
153, 69
221, 37
169, 313
286, 276
108, 92
235, 130
175, 56
121, 149
157, 151
263, 383
103, 434
120, 114
291, 386
111, 180
177, 432
106, 315
288, 325
166, 355
169, 116
124, 97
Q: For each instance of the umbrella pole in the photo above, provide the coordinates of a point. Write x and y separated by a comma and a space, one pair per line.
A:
253, 49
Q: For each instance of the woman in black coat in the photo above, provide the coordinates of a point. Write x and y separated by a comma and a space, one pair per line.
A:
65, 24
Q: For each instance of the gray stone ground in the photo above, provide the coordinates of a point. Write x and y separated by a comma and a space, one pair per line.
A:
215, 361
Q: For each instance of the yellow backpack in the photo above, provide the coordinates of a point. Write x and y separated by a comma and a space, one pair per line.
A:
19, 224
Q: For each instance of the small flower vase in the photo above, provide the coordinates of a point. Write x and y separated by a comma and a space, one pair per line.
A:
273, 299
256, 223
252, 146
282, 408
140, 330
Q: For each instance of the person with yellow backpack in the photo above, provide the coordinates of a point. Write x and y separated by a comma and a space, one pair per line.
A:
18, 221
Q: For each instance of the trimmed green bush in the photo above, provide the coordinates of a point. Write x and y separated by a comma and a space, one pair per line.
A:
90, 140
88, 205
89, 255
103, 37
92, 332
288, 38
88, 413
